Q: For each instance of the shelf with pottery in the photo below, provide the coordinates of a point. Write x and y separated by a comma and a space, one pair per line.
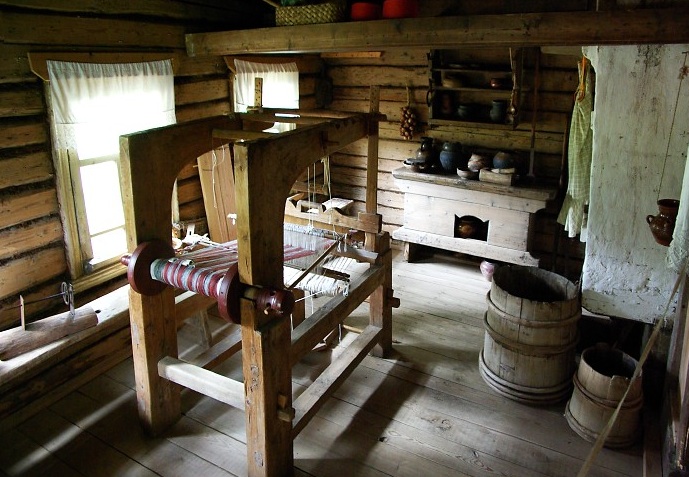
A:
468, 89
488, 220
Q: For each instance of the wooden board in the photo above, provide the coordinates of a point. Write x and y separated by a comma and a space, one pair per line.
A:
530, 29
478, 248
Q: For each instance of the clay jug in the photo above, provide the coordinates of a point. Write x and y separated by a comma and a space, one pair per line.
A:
425, 153
451, 156
663, 224
498, 111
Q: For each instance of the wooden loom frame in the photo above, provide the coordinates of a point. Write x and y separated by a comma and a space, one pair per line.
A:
265, 169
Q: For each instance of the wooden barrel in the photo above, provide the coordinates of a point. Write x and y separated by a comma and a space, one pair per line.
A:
599, 384
556, 332
529, 345
534, 294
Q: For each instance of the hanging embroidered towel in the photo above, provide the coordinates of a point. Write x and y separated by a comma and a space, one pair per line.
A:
572, 215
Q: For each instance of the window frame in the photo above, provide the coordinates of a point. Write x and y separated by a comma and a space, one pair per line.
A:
67, 177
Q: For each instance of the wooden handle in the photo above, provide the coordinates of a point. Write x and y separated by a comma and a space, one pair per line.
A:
272, 4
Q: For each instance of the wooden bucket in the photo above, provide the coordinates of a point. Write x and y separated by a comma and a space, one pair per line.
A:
559, 332
599, 384
529, 345
534, 294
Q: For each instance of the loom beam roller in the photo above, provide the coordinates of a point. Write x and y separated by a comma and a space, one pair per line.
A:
273, 302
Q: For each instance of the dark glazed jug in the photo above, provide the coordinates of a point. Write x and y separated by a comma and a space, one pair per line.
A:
451, 156
663, 224
425, 150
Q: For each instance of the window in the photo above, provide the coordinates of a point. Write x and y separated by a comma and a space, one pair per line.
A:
280, 87
92, 105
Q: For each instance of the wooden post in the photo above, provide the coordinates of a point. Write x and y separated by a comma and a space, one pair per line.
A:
265, 342
268, 391
372, 164
159, 154
157, 399
380, 310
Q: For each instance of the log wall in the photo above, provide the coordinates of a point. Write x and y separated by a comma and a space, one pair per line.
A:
403, 76
32, 259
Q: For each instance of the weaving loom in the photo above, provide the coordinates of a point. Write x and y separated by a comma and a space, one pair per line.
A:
253, 289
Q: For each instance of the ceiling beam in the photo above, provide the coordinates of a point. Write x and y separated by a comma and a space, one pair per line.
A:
581, 28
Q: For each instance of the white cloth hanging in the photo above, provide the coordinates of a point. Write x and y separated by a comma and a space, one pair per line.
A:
678, 251
573, 212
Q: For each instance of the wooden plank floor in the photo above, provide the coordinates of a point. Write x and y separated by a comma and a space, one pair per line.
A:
423, 412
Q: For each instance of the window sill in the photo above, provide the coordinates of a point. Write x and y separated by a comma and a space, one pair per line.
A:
107, 273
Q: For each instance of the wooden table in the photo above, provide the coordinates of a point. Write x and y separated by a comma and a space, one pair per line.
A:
435, 203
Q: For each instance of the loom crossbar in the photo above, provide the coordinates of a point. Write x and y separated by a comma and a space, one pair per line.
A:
327, 317
206, 382
310, 401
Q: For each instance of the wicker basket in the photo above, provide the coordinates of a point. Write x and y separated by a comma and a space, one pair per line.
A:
327, 12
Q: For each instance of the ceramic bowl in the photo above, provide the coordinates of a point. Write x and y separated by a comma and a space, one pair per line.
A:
464, 174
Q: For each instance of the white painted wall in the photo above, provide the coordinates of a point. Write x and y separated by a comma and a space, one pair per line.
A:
641, 134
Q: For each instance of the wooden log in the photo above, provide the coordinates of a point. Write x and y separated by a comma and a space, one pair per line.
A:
23, 132
26, 169
38, 234
209, 109
207, 89
639, 26
23, 101
16, 341
67, 30
31, 270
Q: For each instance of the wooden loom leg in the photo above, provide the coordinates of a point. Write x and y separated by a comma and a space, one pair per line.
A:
380, 308
154, 336
268, 391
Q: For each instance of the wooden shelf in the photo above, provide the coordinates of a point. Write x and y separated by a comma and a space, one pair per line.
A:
474, 70
461, 122
495, 91
619, 27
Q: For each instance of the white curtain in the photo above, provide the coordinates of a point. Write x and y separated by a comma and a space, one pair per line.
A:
92, 105
280, 85
99, 102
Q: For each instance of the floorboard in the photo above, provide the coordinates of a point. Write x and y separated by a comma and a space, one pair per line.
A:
424, 411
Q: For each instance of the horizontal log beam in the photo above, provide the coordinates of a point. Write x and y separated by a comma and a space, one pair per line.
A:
530, 29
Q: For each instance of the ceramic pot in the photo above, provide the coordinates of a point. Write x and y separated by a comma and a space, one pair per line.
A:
467, 228
362, 11
478, 162
498, 111
425, 153
503, 160
400, 8
663, 224
450, 156
487, 269
466, 111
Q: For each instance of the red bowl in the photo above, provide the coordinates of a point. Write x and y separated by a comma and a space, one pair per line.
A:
400, 8
362, 11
